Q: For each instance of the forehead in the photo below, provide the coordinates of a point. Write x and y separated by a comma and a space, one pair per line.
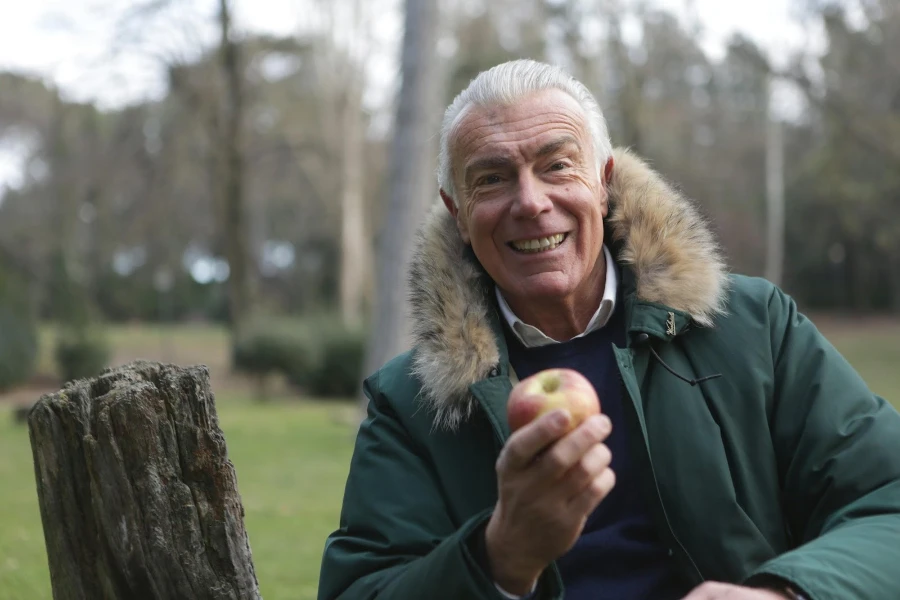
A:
518, 128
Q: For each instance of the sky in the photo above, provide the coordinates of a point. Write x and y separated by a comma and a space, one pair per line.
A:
96, 50
771, 23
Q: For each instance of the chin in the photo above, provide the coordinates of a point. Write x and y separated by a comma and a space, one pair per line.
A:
544, 286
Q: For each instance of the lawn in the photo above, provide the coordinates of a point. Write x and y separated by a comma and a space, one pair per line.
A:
291, 458
873, 348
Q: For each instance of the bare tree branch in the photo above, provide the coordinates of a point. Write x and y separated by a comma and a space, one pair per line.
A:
876, 138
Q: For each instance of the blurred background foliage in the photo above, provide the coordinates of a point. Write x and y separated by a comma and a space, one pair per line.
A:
257, 185
255, 213
125, 203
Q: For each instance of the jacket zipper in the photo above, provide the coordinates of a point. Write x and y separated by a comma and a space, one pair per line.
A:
657, 499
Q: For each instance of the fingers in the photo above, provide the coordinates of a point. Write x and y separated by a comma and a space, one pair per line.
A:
711, 590
596, 460
529, 441
571, 449
599, 488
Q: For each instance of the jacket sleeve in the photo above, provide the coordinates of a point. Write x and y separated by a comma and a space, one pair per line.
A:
396, 539
838, 448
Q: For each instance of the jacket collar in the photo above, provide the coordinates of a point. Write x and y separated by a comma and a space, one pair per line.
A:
672, 263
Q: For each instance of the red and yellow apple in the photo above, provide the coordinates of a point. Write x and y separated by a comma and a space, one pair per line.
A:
549, 390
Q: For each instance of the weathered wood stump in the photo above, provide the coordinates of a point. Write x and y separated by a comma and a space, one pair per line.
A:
137, 495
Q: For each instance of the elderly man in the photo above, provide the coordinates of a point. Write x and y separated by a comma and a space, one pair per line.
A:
738, 455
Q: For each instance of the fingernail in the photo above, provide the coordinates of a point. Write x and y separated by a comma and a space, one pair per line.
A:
561, 419
605, 424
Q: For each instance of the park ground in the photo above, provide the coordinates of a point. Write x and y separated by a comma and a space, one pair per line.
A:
291, 454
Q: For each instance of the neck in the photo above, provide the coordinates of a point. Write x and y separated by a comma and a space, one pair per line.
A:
564, 318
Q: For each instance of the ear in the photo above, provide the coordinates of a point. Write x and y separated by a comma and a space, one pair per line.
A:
607, 178
457, 215
448, 202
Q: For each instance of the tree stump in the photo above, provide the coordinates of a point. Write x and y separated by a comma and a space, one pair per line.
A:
137, 496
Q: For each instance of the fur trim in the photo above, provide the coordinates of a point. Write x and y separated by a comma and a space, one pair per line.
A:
667, 243
454, 344
664, 240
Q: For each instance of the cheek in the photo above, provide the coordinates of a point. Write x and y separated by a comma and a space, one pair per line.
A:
483, 221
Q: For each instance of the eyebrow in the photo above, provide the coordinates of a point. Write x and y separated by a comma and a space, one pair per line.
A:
501, 162
557, 145
487, 163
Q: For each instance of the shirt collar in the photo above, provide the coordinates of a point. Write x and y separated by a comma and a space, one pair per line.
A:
531, 336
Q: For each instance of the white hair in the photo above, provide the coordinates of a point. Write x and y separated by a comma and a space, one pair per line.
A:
502, 85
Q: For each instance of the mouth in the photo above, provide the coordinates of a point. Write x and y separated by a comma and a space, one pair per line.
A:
537, 245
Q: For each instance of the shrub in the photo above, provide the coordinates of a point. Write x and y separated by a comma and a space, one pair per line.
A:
315, 354
338, 371
18, 333
81, 354
268, 347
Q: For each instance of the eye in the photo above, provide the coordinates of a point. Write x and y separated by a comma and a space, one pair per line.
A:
488, 180
558, 166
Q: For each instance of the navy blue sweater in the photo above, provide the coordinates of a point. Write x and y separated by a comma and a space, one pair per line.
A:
619, 555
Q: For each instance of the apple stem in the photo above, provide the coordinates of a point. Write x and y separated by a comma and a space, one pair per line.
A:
551, 384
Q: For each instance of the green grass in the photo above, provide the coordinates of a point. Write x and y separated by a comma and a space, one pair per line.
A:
291, 461
291, 458
23, 562
874, 350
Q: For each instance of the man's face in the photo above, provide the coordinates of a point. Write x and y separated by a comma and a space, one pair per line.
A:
531, 202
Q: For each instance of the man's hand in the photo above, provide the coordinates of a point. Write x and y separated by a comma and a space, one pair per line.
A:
723, 591
549, 483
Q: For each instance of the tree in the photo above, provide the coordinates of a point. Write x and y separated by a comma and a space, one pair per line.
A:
844, 216
410, 186
19, 342
342, 59
774, 196
231, 175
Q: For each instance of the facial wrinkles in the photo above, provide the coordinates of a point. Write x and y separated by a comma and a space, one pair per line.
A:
508, 136
484, 132
480, 130
556, 184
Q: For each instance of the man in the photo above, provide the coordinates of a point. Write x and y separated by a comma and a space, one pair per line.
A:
738, 456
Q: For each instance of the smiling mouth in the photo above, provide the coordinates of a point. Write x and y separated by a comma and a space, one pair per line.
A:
544, 244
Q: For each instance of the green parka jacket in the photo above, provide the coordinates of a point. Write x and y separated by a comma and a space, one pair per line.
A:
786, 465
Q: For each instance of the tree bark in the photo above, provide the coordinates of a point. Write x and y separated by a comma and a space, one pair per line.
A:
354, 245
137, 496
411, 179
775, 211
241, 284
629, 98
894, 274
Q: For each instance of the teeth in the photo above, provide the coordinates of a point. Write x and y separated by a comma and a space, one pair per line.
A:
539, 244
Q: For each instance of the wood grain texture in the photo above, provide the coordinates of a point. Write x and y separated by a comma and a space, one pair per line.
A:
137, 496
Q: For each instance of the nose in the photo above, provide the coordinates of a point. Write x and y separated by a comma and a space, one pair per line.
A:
531, 199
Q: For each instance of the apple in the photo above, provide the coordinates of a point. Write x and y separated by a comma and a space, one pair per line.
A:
549, 390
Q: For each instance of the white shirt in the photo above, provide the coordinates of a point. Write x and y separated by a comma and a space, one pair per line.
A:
532, 337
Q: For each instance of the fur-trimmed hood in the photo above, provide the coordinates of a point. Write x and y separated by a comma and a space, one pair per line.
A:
662, 238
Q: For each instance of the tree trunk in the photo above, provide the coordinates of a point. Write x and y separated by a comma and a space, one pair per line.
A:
629, 97
354, 254
137, 496
775, 224
411, 182
236, 230
894, 274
